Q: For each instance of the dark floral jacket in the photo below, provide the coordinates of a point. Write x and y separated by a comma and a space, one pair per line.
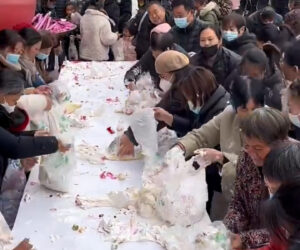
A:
244, 214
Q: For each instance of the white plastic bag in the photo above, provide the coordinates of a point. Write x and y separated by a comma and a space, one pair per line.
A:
143, 125
56, 170
183, 196
118, 50
5, 234
60, 91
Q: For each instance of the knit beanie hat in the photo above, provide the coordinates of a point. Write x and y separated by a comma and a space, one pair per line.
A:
161, 28
169, 61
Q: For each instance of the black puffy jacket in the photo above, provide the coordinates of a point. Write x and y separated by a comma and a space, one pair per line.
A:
188, 38
224, 64
125, 7
113, 11
21, 147
242, 44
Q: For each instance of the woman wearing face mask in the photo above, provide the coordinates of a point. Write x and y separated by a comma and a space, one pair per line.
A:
33, 42
160, 40
11, 88
235, 34
46, 47
11, 48
197, 100
243, 216
213, 56
224, 130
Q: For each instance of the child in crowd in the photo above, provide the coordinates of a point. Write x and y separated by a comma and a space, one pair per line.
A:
72, 14
129, 49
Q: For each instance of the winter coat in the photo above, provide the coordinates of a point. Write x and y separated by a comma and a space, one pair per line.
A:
255, 25
140, 27
225, 7
223, 130
60, 6
113, 11
96, 36
189, 38
225, 62
184, 120
41, 68
21, 147
125, 7
16, 121
146, 64
210, 14
244, 214
242, 44
274, 85
286, 36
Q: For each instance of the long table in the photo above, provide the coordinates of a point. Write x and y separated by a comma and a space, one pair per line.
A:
47, 217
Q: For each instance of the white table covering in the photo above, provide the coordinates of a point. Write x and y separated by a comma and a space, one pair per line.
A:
47, 218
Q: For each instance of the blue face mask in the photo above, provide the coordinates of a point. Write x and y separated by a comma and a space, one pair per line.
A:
13, 58
42, 56
195, 110
181, 23
230, 36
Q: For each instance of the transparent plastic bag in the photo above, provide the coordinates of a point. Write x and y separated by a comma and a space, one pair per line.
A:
60, 91
118, 50
56, 170
5, 234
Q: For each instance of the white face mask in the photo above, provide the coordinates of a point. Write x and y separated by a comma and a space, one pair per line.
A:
8, 108
295, 120
195, 110
165, 85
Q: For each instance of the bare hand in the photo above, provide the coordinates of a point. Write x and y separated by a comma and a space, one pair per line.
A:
29, 163
131, 86
126, 147
41, 133
210, 155
63, 148
49, 103
236, 242
163, 116
24, 245
43, 90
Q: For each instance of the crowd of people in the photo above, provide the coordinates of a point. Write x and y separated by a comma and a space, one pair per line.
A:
228, 73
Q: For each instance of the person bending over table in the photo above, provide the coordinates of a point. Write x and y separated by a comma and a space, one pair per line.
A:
264, 129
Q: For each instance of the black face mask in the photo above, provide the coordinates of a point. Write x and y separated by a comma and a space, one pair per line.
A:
209, 52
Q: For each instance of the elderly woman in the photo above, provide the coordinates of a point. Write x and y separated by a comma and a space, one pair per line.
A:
243, 216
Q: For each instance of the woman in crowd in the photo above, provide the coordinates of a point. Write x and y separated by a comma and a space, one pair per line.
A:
200, 97
291, 62
235, 34
243, 215
246, 95
96, 33
46, 47
160, 41
11, 88
144, 22
208, 11
255, 64
214, 56
192, 97
11, 48
33, 41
